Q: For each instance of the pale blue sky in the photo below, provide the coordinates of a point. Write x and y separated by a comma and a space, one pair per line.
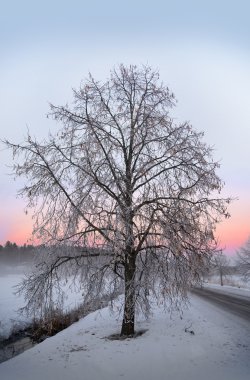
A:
201, 48
27, 22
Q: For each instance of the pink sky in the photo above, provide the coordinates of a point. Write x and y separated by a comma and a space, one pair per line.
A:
231, 233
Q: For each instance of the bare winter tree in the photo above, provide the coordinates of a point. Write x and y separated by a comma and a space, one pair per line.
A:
221, 264
243, 260
123, 196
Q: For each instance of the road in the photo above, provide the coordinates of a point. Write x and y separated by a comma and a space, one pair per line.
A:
235, 304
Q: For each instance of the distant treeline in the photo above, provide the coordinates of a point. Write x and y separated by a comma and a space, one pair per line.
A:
14, 247
11, 253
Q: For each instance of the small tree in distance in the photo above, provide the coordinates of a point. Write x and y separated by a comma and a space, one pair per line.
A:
243, 260
133, 192
221, 263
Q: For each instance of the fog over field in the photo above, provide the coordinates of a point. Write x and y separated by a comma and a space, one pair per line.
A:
14, 265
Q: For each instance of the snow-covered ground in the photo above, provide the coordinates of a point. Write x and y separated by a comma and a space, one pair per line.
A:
234, 280
10, 318
228, 289
218, 349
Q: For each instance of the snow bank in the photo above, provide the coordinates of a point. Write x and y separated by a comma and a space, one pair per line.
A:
227, 289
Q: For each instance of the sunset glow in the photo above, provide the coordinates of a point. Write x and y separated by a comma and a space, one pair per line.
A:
18, 229
231, 233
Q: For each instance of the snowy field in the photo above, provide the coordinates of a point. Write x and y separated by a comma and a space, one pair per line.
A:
10, 319
218, 349
9, 304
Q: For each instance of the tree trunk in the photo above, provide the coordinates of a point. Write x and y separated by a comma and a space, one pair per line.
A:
221, 278
128, 322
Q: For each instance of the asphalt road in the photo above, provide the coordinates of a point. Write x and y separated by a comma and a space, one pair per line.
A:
238, 305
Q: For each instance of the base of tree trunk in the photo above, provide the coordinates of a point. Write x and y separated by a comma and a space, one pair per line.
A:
128, 328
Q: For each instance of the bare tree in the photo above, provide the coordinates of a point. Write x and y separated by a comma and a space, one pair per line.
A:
243, 260
221, 264
135, 194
